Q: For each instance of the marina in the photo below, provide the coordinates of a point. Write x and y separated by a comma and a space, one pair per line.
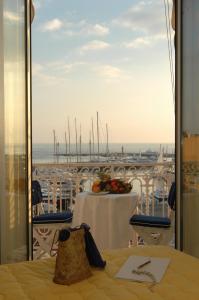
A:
132, 152
147, 155
74, 148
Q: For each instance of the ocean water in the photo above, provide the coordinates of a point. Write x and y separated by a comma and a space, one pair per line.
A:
44, 153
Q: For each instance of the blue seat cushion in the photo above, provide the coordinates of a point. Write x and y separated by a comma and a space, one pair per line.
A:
62, 217
150, 221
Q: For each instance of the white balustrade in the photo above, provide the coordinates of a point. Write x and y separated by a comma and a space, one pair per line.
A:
61, 182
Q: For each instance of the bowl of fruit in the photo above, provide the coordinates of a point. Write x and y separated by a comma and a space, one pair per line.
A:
106, 184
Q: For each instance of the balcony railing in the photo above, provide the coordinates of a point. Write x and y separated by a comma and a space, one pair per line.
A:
62, 182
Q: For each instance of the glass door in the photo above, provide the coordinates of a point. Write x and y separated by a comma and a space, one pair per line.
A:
15, 131
188, 110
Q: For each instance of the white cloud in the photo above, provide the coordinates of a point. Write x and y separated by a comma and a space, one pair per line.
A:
95, 45
70, 33
52, 25
97, 30
53, 73
67, 68
71, 28
145, 41
11, 16
37, 4
62, 66
57, 72
109, 71
144, 16
85, 29
40, 3
138, 43
42, 77
36, 69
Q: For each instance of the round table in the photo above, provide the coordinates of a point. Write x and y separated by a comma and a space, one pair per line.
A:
108, 216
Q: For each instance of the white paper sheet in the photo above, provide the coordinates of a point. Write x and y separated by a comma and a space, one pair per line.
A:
157, 267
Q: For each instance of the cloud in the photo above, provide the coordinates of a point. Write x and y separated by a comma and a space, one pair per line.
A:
145, 41
64, 67
52, 25
67, 68
37, 4
36, 69
71, 28
97, 30
144, 16
138, 43
83, 28
11, 16
95, 45
42, 78
40, 3
58, 72
53, 73
109, 71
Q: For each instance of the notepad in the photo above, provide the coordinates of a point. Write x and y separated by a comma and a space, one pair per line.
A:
157, 267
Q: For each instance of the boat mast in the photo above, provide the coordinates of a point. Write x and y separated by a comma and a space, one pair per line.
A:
122, 150
107, 147
80, 143
160, 158
93, 138
57, 151
66, 144
90, 145
69, 139
57, 148
76, 139
98, 150
54, 140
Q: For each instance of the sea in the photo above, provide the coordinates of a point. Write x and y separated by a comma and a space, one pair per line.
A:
44, 153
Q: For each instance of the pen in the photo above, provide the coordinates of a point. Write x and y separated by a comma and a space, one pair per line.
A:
144, 264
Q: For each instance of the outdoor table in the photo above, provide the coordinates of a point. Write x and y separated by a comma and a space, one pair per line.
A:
108, 216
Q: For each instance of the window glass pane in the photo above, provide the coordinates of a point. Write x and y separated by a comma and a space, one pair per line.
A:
13, 149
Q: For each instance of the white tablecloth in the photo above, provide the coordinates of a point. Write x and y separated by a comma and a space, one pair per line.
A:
108, 216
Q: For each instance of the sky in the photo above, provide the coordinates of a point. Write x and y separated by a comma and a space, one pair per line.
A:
106, 56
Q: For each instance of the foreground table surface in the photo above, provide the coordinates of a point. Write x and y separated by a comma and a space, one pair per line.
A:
33, 280
108, 216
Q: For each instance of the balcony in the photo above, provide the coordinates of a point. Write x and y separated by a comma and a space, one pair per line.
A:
62, 182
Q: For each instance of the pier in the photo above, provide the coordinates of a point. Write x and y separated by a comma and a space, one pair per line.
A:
120, 154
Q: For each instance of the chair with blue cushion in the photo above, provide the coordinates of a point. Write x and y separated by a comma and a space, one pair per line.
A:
45, 225
156, 230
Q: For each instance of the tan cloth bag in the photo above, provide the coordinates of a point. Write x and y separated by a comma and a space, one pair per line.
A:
71, 263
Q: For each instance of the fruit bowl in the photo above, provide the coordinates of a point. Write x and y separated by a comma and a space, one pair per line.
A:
113, 186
